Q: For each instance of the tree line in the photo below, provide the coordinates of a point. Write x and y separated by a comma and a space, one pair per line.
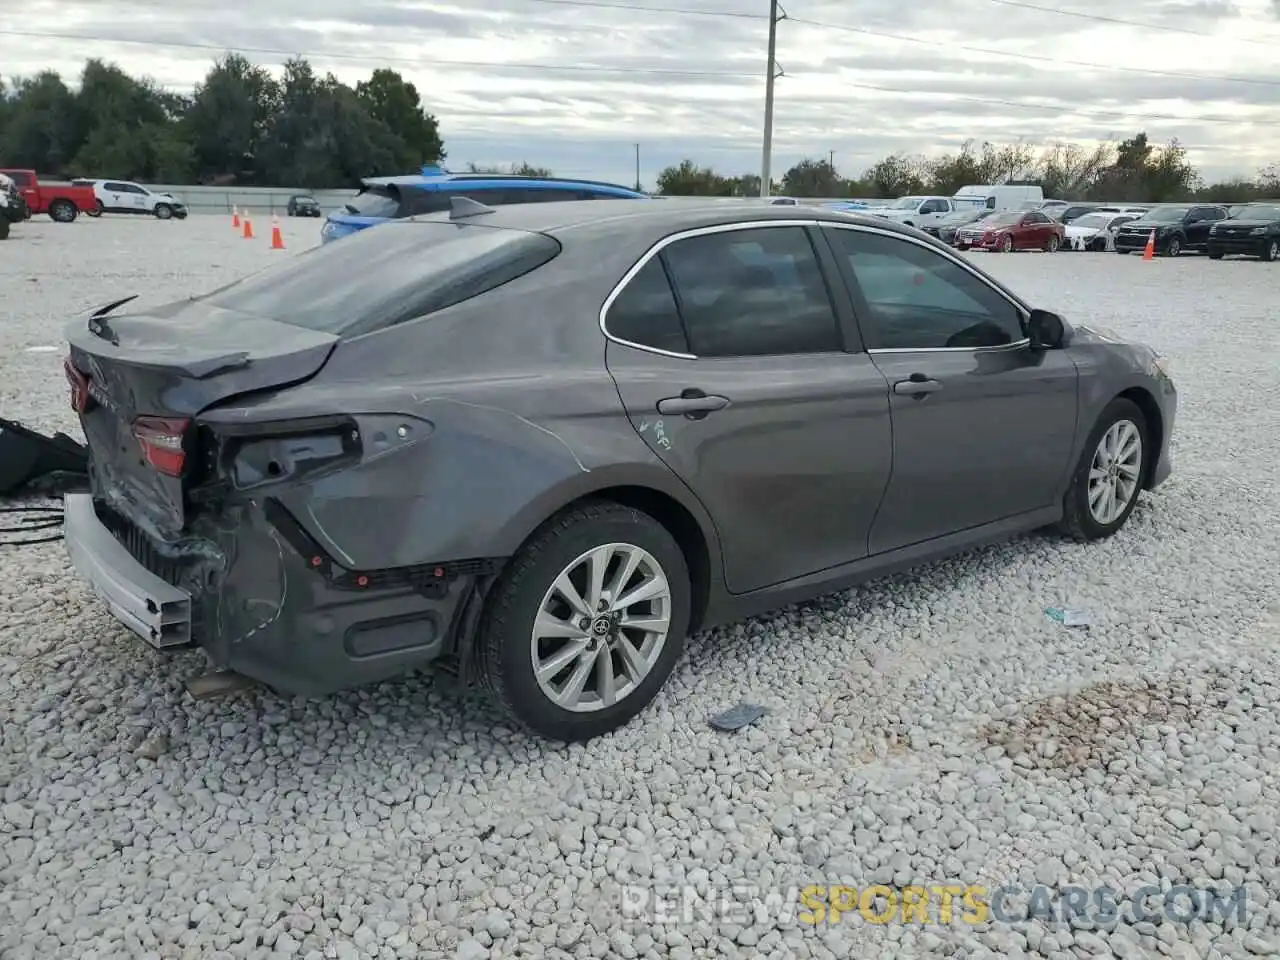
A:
1134, 169
240, 125
243, 125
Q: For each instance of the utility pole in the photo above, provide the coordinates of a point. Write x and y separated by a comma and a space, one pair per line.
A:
637, 168
771, 73
831, 159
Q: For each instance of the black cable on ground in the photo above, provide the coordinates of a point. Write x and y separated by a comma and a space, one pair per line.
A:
33, 520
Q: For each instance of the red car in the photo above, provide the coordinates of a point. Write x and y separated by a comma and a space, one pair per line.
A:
63, 202
1013, 230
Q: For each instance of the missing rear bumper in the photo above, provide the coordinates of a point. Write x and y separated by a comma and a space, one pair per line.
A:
156, 611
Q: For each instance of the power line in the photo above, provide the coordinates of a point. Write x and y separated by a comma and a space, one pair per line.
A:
413, 61
1119, 21
1068, 109
638, 8
1030, 56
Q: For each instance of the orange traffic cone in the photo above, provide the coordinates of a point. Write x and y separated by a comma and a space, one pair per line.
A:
235, 217
1150, 252
248, 228
277, 239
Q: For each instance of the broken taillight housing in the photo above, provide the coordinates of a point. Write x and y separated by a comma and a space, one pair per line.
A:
163, 442
79, 383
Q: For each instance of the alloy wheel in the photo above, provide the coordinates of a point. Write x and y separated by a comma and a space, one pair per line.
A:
601, 627
1116, 471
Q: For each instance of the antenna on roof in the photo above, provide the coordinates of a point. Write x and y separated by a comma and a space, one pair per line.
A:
462, 207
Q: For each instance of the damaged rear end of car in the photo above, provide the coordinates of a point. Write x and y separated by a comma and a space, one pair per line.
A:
220, 469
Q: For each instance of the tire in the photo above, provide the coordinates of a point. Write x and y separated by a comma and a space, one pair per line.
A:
63, 211
1216, 254
1271, 252
962, 246
163, 211
1079, 521
506, 644
1054, 243
1123, 253
1006, 245
96, 210
1175, 247
4, 228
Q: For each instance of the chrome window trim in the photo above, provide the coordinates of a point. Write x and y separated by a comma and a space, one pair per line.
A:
661, 245
1024, 311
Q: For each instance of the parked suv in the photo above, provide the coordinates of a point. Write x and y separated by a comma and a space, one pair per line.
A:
1177, 227
1254, 232
121, 196
393, 198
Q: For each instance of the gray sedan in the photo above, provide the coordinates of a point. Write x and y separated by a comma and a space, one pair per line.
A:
543, 443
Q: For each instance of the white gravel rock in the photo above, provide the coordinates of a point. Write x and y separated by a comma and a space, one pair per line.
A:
932, 728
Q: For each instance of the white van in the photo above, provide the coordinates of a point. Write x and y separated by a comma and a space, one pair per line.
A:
1001, 196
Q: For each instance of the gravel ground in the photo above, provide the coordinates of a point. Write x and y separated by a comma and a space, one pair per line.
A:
934, 728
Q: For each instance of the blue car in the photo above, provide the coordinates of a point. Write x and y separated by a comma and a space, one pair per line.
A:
392, 198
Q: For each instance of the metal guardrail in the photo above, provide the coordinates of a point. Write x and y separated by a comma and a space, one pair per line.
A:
256, 200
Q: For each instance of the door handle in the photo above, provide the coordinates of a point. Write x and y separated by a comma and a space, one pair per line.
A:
918, 386
692, 403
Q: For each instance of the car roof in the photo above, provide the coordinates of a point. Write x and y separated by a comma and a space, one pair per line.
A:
595, 218
430, 181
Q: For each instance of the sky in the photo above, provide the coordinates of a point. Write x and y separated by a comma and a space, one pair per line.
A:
575, 85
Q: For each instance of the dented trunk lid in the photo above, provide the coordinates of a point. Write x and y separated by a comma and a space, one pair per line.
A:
173, 362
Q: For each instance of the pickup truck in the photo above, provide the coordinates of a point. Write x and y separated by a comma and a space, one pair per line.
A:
63, 202
917, 211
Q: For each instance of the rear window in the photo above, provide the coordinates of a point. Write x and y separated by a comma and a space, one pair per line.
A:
375, 202
378, 278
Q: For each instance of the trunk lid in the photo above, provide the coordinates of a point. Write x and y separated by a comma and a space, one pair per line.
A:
169, 364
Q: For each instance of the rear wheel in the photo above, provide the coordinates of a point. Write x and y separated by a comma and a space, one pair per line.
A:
62, 211
1215, 254
587, 622
1108, 478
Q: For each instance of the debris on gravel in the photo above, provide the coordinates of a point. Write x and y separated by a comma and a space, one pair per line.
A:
932, 731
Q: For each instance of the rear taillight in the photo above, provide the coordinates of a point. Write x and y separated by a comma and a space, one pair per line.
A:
163, 442
79, 386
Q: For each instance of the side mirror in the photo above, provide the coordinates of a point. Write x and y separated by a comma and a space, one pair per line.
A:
1046, 330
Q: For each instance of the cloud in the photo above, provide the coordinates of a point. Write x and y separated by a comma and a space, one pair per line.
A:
575, 87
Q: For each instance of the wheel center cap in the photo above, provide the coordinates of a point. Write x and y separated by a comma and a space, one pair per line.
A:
601, 626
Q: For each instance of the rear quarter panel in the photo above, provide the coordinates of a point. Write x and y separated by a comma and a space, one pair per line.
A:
516, 413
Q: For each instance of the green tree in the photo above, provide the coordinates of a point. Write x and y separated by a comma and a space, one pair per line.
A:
41, 131
812, 178
896, 176
229, 117
687, 179
395, 103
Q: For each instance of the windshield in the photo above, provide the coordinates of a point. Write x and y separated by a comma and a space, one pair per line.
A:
1098, 220
1257, 211
905, 203
381, 277
1006, 219
374, 202
1165, 214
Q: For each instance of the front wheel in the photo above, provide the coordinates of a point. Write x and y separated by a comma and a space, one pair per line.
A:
4, 228
1109, 476
1006, 245
163, 211
1271, 251
586, 624
96, 210
1175, 246
62, 211
1216, 254
1053, 244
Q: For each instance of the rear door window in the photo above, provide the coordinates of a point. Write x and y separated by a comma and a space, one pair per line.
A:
378, 278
